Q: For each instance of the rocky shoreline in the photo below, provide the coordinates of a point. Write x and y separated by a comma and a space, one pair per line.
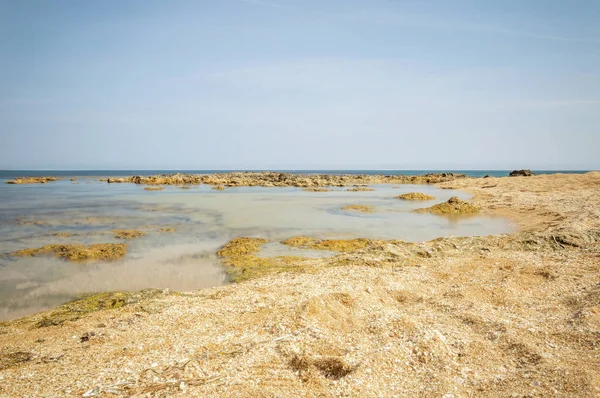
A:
505, 315
277, 179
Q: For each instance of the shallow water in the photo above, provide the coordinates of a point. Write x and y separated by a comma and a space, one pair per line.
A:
203, 220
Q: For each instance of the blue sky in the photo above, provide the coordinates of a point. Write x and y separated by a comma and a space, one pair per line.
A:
299, 84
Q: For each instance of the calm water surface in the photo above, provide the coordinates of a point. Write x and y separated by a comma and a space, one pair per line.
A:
203, 220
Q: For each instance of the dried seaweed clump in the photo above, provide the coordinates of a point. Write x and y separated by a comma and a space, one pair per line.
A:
32, 180
415, 196
10, 359
361, 208
128, 233
242, 263
337, 245
78, 253
360, 189
454, 205
153, 189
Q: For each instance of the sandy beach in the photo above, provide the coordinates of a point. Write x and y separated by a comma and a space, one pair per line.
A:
506, 315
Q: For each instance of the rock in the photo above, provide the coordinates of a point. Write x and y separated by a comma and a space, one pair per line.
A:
453, 206
415, 196
521, 173
128, 233
32, 180
77, 252
361, 208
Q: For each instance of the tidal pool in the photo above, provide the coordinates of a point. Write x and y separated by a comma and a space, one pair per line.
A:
203, 220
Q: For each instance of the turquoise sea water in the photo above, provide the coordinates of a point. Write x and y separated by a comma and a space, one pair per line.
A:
203, 220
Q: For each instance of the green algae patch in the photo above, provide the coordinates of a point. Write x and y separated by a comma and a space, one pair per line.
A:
415, 196
360, 208
336, 245
454, 206
241, 247
242, 263
128, 233
88, 304
77, 252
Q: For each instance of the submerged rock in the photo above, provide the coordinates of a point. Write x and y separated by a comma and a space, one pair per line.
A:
454, 205
360, 189
77, 252
32, 180
153, 189
521, 173
316, 189
128, 233
361, 208
415, 196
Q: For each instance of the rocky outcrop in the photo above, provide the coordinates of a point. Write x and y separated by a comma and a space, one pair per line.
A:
521, 173
453, 206
77, 252
277, 179
32, 180
415, 196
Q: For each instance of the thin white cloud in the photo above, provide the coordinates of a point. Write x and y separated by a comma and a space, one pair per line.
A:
426, 22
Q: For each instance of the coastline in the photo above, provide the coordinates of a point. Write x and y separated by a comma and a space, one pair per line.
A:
490, 316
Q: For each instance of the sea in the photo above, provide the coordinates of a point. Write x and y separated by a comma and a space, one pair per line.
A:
9, 174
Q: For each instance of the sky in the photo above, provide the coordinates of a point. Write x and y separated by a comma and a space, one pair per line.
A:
300, 84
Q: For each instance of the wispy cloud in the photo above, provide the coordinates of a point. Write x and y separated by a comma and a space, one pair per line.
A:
423, 21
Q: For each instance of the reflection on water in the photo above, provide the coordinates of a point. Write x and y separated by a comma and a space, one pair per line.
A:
202, 219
